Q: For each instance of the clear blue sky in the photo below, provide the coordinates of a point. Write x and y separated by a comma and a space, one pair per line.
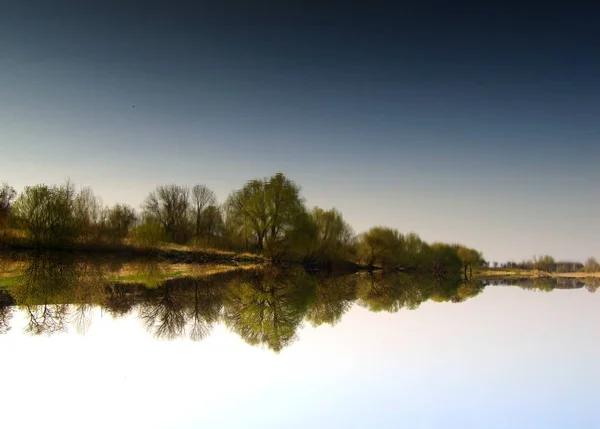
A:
475, 125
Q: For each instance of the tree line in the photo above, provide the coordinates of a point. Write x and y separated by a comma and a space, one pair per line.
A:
266, 216
265, 305
547, 264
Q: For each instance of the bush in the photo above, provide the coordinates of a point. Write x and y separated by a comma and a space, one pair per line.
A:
149, 234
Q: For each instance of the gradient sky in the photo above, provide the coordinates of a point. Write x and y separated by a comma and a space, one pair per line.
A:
478, 125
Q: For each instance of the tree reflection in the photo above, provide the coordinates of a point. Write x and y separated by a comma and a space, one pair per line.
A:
164, 313
46, 318
205, 309
333, 297
42, 291
268, 306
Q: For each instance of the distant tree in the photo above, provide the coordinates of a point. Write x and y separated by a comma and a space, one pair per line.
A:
121, 219
169, 205
470, 258
544, 263
591, 265
89, 215
211, 224
202, 199
46, 212
7, 195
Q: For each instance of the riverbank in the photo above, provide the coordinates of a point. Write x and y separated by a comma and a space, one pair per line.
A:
531, 274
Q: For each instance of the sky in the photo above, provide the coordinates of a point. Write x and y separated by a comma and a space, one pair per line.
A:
474, 124
506, 358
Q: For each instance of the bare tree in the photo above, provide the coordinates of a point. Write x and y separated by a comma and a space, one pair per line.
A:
169, 204
7, 195
202, 198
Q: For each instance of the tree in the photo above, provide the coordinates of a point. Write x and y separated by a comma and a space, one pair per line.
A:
470, 258
46, 212
332, 236
382, 245
591, 265
121, 219
202, 198
544, 263
169, 205
89, 215
270, 209
7, 195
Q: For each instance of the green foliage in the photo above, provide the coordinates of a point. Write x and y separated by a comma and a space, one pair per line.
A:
267, 213
591, 266
381, 246
331, 237
148, 234
544, 263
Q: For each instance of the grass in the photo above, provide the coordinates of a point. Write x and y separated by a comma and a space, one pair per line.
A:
18, 240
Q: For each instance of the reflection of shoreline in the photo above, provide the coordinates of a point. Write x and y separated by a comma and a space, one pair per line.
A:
530, 274
264, 304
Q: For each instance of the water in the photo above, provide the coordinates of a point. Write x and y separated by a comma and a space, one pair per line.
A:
89, 344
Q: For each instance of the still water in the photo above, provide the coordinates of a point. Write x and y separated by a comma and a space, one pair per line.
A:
143, 344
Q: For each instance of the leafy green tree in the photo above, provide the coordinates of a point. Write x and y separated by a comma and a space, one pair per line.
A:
270, 210
470, 258
382, 246
332, 237
544, 263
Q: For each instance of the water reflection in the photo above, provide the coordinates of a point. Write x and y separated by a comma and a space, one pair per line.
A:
265, 306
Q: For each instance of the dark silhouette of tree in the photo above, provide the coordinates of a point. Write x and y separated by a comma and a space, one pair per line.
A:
89, 215
205, 309
164, 313
46, 318
6, 311
121, 219
202, 199
7, 196
47, 213
169, 205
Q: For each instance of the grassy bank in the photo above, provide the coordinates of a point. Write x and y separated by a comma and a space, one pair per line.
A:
531, 274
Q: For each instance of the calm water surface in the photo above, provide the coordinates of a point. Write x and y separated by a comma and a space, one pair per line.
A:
124, 345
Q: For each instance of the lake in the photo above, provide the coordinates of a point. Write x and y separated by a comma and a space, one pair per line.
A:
110, 343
